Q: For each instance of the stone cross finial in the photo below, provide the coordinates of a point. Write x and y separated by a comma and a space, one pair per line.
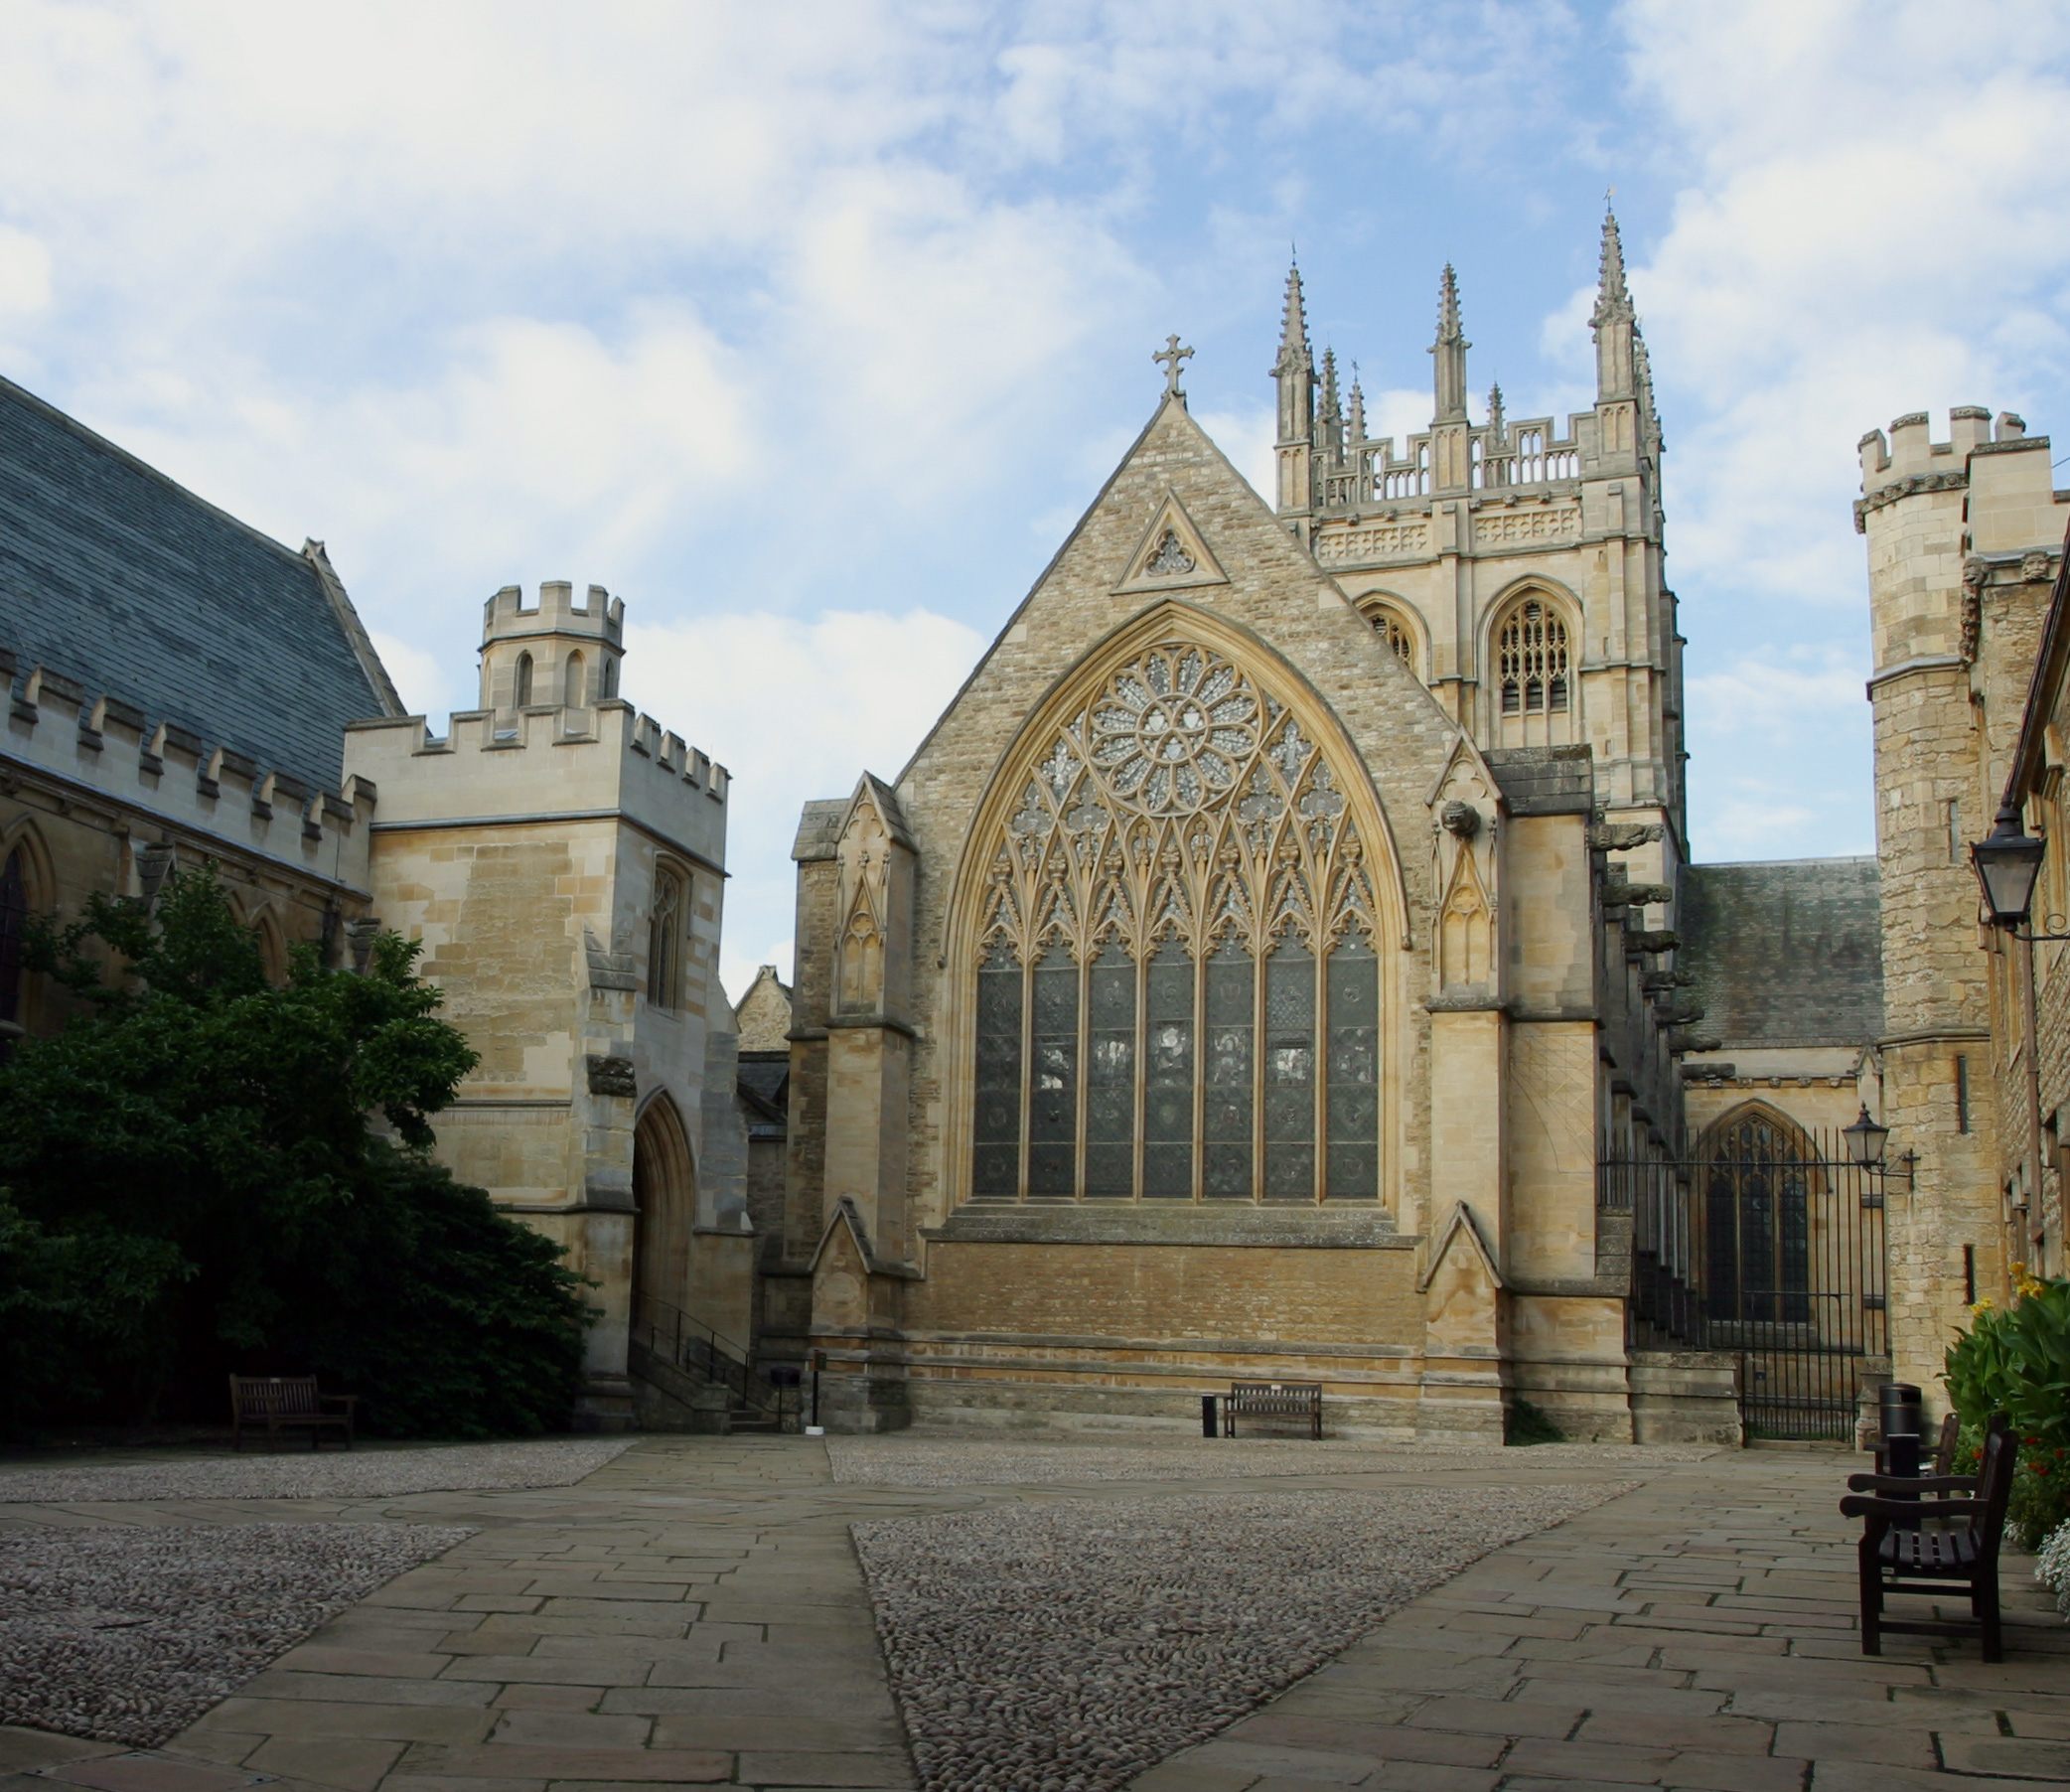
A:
1172, 356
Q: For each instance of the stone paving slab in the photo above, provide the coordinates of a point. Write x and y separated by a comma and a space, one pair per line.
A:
1698, 1633
693, 1615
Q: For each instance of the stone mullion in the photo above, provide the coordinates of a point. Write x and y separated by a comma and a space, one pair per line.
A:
1027, 1125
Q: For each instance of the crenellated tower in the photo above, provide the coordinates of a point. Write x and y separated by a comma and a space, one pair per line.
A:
556, 654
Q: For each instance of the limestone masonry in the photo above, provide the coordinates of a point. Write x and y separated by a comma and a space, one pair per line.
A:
1282, 962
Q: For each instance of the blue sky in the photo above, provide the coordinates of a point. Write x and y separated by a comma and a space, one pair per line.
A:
810, 327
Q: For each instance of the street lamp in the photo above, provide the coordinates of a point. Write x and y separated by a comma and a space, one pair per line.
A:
2007, 867
1865, 1141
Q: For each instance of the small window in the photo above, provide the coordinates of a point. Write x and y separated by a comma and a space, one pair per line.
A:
524, 691
572, 688
665, 943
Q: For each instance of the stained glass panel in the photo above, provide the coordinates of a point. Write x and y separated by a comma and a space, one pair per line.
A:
1289, 1073
1354, 1091
1110, 1075
1053, 1084
1168, 1076
1232, 998
996, 1167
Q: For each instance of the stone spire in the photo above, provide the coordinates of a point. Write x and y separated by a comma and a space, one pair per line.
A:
1356, 425
1329, 421
1450, 353
1295, 373
1613, 320
1294, 356
1495, 420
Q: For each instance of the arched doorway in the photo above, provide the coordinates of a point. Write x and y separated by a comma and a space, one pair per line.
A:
665, 1194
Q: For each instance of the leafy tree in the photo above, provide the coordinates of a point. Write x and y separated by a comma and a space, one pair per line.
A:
200, 1139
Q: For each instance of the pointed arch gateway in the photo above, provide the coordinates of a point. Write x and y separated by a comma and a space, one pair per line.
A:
665, 1198
1173, 939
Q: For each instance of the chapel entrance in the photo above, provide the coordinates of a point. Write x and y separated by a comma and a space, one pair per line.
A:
665, 1195
1768, 1243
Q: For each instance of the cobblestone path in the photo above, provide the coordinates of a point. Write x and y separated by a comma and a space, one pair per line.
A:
693, 1613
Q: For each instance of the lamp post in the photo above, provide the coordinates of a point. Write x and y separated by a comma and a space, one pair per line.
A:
2008, 866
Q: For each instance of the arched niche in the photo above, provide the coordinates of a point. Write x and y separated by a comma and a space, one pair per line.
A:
1172, 940
27, 887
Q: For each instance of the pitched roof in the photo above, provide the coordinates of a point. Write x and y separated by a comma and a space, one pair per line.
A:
114, 576
1786, 953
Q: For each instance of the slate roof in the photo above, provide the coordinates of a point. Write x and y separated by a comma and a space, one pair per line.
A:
1788, 953
114, 576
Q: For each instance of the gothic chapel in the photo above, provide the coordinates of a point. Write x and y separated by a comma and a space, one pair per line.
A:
1248, 973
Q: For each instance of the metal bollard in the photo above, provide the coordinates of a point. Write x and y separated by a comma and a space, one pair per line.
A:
1901, 1458
1208, 1428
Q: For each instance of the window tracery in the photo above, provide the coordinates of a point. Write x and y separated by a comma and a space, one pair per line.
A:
1177, 992
665, 927
1533, 661
1401, 639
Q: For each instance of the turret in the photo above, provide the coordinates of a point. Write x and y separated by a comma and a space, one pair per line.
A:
1450, 353
1294, 372
1613, 321
1450, 455
554, 654
1329, 432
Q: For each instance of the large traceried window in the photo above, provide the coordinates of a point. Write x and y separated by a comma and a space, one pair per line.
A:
1177, 988
1533, 661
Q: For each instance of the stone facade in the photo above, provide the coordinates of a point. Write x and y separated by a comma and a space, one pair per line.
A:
1252, 968
1964, 537
559, 856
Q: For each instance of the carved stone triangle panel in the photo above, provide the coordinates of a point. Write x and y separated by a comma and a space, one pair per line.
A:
1171, 555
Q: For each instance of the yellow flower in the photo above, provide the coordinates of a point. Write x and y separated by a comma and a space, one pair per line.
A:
1982, 1307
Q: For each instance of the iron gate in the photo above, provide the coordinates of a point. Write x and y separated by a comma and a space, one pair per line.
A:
1769, 1245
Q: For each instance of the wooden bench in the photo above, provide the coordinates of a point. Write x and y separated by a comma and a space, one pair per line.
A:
285, 1403
1899, 1555
1273, 1400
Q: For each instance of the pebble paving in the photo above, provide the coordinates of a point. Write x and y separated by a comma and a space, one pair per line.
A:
694, 1612
1067, 1647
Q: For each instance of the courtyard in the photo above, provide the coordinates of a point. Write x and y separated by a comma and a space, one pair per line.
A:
1164, 1614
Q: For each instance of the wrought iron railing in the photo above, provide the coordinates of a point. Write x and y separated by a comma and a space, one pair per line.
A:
683, 1339
1770, 1247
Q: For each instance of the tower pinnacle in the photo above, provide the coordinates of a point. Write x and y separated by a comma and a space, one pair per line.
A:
1451, 351
1294, 355
1613, 320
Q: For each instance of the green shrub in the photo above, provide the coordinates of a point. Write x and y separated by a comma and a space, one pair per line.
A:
2015, 1360
197, 1189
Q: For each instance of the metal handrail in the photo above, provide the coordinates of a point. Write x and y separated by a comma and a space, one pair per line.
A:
713, 1355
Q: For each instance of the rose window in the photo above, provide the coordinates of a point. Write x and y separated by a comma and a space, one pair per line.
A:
1171, 731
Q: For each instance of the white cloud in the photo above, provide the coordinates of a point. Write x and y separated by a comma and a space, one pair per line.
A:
795, 708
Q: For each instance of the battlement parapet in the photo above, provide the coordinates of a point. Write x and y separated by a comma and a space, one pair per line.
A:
112, 747
544, 761
505, 617
2001, 471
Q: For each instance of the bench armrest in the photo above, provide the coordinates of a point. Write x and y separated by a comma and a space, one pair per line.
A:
347, 1401
1855, 1506
1912, 1484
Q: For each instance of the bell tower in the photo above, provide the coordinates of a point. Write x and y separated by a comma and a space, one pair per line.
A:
553, 655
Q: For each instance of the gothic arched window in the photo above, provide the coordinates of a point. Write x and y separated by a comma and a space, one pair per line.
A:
524, 682
1756, 1193
1177, 990
1531, 660
572, 693
1393, 628
665, 927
